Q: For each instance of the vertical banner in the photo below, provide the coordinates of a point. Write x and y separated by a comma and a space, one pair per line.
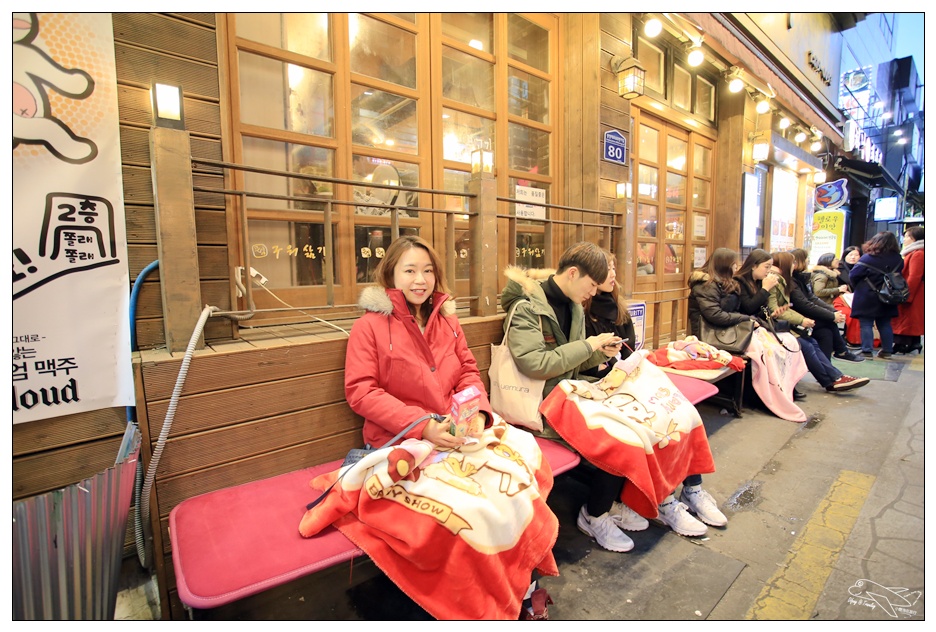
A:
71, 332
828, 234
638, 313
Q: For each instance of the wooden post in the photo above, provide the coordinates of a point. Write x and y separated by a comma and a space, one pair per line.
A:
483, 228
171, 163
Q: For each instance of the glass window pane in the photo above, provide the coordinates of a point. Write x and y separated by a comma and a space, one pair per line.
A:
289, 254
682, 88
651, 58
306, 104
675, 224
700, 194
528, 96
676, 153
467, 79
528, 149
705, 99
370, 245
675, 189
646, 220
646, 258
281, 156
303, 33
409, 17
456, 181
649, 144
382, 51
702, 161
474, 29
529, 190
647, 181
462, 133
367, 169
383, 119
673, 258
531, 250
527, 42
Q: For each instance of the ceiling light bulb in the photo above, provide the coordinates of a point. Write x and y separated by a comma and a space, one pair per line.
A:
898, 132
819, 177
763, 106
653, 27
800, 136
902, 141
784, 123
736, 85
696, 57
816, 146
886, 116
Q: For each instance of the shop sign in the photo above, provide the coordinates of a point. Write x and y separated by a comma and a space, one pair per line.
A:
531, 194
615, 147
828, 234
831, 195
638, 313
857, 139
812, 60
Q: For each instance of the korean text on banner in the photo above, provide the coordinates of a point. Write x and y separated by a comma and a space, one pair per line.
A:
71, 332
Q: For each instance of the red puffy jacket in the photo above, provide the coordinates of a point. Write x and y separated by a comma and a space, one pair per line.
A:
395, 373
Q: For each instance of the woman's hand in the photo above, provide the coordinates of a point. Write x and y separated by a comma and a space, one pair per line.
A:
770, 281
437, 433
599, 341
842, 289
777, 312
839, 317
808, 323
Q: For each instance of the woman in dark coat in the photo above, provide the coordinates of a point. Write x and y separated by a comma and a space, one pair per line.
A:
908, 326
880, 252
605, 312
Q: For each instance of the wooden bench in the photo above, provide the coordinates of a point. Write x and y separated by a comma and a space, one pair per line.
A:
238, 541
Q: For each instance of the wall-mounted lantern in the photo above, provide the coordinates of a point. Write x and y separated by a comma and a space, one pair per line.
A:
167, 106
631, 76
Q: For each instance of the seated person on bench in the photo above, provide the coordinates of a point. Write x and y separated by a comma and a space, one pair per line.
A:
407, 356
554, 301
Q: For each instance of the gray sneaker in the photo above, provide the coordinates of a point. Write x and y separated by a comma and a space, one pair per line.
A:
604, 531
676, 516
848, 356
626, 518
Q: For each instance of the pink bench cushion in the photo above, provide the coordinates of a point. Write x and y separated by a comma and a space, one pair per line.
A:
694, 389
239, 541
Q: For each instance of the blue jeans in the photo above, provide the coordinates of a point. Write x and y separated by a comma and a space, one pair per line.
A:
817, 363
867, 334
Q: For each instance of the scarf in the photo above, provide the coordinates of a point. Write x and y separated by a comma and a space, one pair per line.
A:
916, 245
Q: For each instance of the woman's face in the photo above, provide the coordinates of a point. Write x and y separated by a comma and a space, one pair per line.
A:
735, 266
608, 285
852, 257
414, 276
760, 271
908, 238
836, 263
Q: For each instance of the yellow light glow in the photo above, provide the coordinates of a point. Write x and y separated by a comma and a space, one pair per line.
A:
696, 57
800, 137
169, 100
736, 85
653, 27
760, 151
476, 44
763, 106
784, 123
816, 146
819, 177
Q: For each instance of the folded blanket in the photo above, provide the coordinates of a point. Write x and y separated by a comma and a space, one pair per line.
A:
775, 370
692, 354
633, 423
458, 531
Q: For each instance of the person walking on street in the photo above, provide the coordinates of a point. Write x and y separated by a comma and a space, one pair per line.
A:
883, 253
908, 326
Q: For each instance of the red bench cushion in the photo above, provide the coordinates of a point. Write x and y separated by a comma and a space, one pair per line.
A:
694, 389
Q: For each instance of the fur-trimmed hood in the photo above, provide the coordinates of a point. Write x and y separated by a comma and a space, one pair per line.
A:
829, 272
697, 277
376, 299
528, 278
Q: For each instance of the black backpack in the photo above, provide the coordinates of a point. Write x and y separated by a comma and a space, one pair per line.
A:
893, 290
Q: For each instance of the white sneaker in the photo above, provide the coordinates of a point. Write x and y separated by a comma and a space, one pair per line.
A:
676, 515
604, 531
701, 503
626, 518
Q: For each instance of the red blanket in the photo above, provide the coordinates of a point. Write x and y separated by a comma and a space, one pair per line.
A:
692, 354
633, 423
460, 532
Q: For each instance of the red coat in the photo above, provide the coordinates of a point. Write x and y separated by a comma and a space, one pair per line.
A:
394, 373
910, 320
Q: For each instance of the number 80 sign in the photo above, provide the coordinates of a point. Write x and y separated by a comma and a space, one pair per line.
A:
615, 147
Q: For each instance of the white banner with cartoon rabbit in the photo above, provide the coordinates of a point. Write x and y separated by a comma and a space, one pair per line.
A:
71, 332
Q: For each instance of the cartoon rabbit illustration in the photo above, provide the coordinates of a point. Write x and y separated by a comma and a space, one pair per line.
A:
33, 73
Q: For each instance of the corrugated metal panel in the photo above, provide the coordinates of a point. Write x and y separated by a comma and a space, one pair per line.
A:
68, 543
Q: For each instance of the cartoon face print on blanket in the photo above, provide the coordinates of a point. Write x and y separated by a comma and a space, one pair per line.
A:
436, 521
633, 423
775, 370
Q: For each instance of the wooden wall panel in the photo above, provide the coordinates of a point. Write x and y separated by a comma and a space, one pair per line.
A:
234, 442
201, 117
210, 226
58, 432
134, 147
54, 469
150, 333
166, 34
212, 261
144, 67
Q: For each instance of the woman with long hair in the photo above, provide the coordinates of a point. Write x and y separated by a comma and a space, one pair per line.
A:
908, 326
881, 252
607, 311
849, 258
407, 356
829, 377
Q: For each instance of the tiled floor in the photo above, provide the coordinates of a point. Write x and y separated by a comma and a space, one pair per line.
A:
138, 597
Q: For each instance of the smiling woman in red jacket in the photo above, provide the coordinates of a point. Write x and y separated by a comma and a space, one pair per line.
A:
407, 355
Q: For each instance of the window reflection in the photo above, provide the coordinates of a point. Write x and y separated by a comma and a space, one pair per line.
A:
377, 200
675, 189
528, 42
675, 224
474, 29
682, 88
280, 156
528, 149
467, 79
646, 220
700, 194
531, 250
676, 153
370, 245
462, 133
647, 182
303, 33
649, 143
528, 96
382, 51
382, 119
289, 254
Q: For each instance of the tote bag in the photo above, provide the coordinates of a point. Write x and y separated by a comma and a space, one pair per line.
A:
734, 339
514, 396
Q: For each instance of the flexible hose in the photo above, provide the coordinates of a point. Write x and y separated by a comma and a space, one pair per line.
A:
144, 502
138, 531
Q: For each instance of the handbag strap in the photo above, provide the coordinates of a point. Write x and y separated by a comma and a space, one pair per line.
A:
403, 432
513, 308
